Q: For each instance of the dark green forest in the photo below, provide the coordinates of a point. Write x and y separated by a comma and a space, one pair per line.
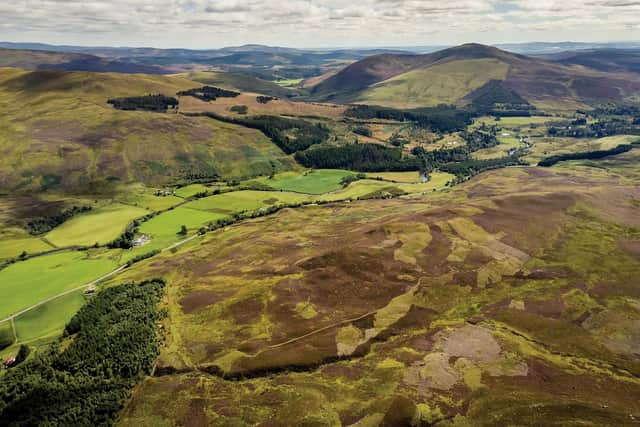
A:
209, 93
113, 344
443, 118
587, 155
157, 103
357, 157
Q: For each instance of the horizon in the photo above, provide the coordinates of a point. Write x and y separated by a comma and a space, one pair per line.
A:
321, 48
312, 24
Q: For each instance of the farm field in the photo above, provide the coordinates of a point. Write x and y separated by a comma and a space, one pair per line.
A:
144, 197
29, 282
100, 225
48, 319
245, 200
406, 177
317, 181
14, 244
190, 190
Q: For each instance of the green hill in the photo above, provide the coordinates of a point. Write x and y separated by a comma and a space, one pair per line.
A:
450, 75
58, 132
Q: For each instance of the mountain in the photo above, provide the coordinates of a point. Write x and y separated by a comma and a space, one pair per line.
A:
450, 75
47, 60
610, 60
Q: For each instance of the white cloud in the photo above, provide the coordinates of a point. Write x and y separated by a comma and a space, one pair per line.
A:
215, 23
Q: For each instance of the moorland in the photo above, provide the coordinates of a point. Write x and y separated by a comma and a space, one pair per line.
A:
358, 238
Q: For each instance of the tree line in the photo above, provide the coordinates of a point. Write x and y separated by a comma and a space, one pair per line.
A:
156, 103
291, 135
87, 383
43, 225
357, 157
443, 118
586, 155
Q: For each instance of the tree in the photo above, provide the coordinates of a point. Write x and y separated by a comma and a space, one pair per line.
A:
183, 230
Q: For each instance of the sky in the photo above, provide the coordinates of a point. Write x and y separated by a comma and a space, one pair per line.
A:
201, 24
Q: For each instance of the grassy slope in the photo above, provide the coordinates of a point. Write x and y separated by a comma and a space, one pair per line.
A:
58, 124
311, 182
444, 83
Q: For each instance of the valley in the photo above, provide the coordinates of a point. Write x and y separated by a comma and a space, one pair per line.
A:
370, 238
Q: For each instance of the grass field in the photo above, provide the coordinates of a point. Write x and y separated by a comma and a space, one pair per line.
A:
239, 201
101, 226
169, 223
48, 319
290, 83
317, 181
13, 244
190, 190
144, 197
26, 283
406, 177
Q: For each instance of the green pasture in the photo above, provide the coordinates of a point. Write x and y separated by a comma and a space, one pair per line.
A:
13, 244
317, 181
29, 282
190, 190
101, 225
406, 177
244, 201
48, 319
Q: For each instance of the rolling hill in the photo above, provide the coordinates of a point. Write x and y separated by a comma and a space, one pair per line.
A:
448, 76
240, 82
57, 132
46, 60
610, 60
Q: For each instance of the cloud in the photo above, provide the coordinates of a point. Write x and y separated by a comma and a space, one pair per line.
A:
214, 23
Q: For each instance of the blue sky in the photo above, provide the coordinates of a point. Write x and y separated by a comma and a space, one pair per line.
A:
315, 23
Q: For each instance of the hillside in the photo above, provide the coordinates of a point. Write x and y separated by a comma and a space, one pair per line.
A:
610, 60
58, 132
46, 60
448, 76
239, 82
